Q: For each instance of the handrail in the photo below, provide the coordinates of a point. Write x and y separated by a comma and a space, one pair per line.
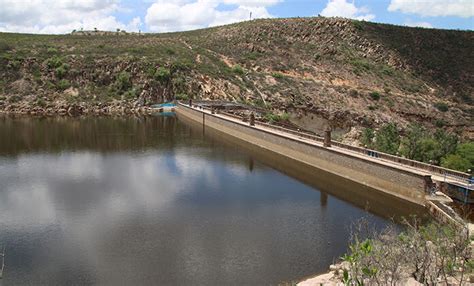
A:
368, 152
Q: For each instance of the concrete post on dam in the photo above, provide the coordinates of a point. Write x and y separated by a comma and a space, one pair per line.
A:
327, 137
252, 119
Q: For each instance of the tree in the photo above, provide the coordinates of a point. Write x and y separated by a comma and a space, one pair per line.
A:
429, 151
462, 160
420, 145
162, 75
367, 137
123, 81
447, 142
411, 142
388, 139
455, 162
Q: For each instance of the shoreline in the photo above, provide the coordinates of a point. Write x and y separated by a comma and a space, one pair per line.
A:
77, 109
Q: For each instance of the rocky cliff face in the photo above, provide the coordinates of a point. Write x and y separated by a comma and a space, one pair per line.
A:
320, 71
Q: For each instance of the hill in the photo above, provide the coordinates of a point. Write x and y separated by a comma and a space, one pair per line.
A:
349, 73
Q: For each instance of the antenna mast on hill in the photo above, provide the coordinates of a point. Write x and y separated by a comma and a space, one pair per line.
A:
250, 16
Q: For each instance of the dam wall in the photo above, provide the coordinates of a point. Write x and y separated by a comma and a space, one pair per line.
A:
398, 182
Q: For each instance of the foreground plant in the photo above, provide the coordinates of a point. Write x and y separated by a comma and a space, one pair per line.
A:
431, 254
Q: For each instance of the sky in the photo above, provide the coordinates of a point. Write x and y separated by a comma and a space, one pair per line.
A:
63, 16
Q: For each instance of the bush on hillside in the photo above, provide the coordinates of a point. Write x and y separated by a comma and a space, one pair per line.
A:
272, 118
162, 75
54, 62
63, 84
277, 75
123, 81
441, 106
181, 96
375, 95
61, 71
238, 70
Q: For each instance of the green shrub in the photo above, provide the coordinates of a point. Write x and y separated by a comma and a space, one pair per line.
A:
54, 62
50, 84
428, 253
375, 95
63, 84
277, 75
131, 94
14, 64
123, 81
181, 64
367, 138
387, 71
271, 117
252, 56
36, 71
441, 106
238, 70
448, 142
259, 102
169, 51
361, 64
388, 139
62, 70
439, 123
40, 102
52, 50
150, 72
284, 116
162, 74
181, 96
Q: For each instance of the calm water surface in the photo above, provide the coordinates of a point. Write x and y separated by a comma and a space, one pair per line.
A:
143, 201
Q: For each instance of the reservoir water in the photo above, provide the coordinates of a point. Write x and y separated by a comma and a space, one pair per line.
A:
156, 201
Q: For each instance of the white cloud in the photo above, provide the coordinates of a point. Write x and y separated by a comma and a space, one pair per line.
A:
180, 15
253, 3
418, 24
61, 16
342, 8
459, 8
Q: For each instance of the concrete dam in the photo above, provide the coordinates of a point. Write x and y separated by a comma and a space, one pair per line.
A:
402, 179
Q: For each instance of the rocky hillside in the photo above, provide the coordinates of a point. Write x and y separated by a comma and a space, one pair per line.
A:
347, 73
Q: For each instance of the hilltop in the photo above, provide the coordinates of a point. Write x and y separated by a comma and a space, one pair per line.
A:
350, 73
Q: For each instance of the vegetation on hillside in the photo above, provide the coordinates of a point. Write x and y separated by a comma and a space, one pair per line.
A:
351, 73
417, 143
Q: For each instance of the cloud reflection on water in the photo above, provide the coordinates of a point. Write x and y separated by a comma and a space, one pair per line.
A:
180, 215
